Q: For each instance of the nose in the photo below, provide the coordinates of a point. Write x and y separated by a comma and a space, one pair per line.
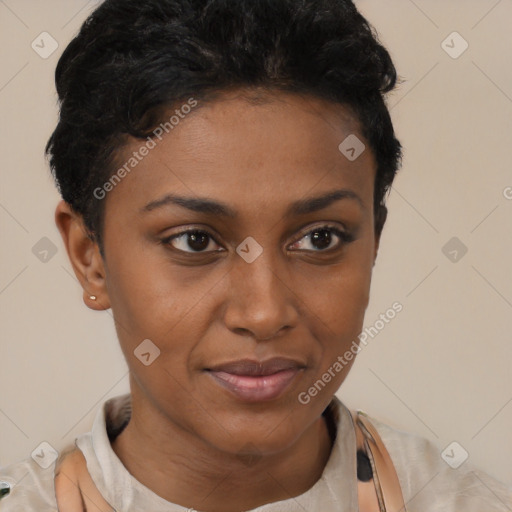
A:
261, 302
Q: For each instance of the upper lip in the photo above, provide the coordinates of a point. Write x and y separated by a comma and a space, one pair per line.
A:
257, 368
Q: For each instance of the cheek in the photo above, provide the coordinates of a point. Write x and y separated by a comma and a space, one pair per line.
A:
339, 317
337, 320
148, 303
339, 298
147, 297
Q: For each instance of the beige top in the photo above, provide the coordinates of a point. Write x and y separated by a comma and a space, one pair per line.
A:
428, 483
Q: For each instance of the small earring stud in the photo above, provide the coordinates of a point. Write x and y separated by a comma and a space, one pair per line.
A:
92, 297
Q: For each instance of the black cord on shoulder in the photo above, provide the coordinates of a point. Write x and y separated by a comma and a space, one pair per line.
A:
364, 467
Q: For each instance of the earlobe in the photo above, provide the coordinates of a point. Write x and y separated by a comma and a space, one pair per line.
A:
84, 255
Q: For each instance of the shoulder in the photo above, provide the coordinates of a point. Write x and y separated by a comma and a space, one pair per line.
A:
31, 487
429, 483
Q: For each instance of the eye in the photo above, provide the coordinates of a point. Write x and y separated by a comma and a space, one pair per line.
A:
321, 239
191, 241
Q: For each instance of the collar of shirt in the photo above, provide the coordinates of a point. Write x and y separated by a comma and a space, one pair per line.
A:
336, 490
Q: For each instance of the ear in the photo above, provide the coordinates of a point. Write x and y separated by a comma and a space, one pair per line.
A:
84, 255
377, 242
380, 219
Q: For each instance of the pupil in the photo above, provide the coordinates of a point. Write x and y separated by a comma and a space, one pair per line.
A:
198, 240
324, 240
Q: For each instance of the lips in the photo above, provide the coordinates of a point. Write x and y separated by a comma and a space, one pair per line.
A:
253, 368
256, 381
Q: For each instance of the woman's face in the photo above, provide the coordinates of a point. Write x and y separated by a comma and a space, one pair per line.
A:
261, 278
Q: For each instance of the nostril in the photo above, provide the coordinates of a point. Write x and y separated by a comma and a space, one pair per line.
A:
242, 331
275, 335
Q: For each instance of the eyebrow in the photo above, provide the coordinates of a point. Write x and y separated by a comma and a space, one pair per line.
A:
211, 207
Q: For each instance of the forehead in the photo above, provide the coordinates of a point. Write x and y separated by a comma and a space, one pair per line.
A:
258, 128
253, 150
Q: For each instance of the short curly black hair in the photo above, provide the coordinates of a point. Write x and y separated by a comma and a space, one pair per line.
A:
133, 60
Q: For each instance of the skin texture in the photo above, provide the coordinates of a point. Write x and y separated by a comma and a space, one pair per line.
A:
190, 440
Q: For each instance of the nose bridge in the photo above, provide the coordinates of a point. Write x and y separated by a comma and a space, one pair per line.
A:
261, 276
260, 301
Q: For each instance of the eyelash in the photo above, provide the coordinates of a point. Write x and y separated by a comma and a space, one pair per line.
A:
345, 238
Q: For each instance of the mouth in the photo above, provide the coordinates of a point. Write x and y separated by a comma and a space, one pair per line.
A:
255, 381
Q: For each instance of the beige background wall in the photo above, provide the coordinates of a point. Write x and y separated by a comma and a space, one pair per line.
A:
442, 368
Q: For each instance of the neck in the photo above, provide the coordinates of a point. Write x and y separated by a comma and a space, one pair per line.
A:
183, 469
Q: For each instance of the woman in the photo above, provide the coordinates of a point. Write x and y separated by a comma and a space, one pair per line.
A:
223, 167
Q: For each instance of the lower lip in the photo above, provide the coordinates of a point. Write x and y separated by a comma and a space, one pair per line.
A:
256, 389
